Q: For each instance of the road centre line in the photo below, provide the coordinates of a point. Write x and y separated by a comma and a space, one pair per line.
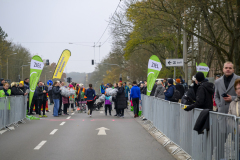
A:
62, 123
68, 117
40, 145
54, 131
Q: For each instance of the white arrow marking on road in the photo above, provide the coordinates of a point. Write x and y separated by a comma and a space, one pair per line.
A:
102, 131
1, 132
68, 117
40, 145
101, 111
52, 133
62, 123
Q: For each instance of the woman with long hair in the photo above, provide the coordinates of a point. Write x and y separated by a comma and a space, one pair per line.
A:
90, 94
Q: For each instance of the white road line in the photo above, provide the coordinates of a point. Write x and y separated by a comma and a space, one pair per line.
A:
62, 123
52, 133
72, 113
68, 117
101, 111
40, 145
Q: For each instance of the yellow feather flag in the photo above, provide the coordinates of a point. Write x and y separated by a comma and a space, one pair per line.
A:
62, 62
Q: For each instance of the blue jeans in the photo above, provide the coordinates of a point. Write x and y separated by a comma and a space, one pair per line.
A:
56, 107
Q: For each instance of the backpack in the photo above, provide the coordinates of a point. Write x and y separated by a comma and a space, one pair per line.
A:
176, 96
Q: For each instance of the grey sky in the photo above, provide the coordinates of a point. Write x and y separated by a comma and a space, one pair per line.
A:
60, 21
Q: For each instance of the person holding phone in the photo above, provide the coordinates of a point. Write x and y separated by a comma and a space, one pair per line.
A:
224, 88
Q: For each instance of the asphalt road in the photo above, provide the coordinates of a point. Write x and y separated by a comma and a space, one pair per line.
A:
78, 139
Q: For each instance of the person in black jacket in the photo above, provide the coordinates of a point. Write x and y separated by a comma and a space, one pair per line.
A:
56, 98
15, 90
42, 98
115, 100
154, 89
180, 87
121, 100
204, 94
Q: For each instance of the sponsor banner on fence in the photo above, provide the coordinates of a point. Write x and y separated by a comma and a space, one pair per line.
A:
62, 62
154, 67
35, 73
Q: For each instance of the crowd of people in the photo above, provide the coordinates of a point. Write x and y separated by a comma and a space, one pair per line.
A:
224, 95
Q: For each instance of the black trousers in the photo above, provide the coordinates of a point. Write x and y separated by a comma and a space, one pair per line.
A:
34, 102
65, 107
60, 105
135, 102
121, 112
41, 102
127, 102
90, 106
51, 98
109, 108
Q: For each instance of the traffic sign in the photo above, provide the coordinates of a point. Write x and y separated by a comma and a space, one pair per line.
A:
174, 62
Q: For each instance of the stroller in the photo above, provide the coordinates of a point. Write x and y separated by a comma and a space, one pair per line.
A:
98, 105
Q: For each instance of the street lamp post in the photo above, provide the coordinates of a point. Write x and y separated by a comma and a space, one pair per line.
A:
7, 62
22, 69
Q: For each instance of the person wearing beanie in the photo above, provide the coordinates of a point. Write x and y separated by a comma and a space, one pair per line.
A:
180, 87
170, 91
204, 94
200, 77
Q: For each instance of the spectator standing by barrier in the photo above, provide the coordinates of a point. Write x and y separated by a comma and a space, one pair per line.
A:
135, 96
141, 87
127, 90
56, 98
15, 90
145, 88
50, 93
224, 90
26, 86
234, 107
90, 94
42, 98
5, 91
165, 83
159, 93
2, 81
204, 94
170, 90
22, 88
154, 88
180, 87
121, 100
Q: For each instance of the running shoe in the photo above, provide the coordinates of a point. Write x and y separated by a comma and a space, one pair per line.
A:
40, 116
44, 116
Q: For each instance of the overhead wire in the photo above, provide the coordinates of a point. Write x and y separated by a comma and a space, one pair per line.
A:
109, 22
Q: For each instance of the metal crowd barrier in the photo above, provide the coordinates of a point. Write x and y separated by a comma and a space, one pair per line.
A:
12, 110
221, 142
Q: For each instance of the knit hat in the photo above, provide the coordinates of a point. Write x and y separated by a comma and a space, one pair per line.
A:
21, 82
70, 86
170, 81
178, 80
200, 76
